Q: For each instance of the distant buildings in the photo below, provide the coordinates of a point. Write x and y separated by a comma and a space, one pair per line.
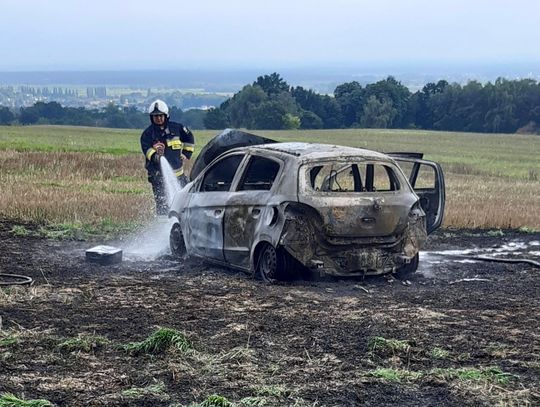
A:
97, 97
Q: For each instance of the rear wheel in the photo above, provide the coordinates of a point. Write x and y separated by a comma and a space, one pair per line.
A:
271, 263
407, 269
176, 241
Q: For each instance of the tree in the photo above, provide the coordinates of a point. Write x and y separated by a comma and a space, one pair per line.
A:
194, 118
28, 115
442, 107
6, 116
270, 115
350, 98
176, 114
310, 120
423, 109
291, 122
378, 113
330, 113
272, 84
243, 104
216, 119
114, 118
52, 111
391, 90
324, 107
135, 118
287, 101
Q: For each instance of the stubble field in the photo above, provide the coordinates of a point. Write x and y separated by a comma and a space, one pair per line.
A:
86, 177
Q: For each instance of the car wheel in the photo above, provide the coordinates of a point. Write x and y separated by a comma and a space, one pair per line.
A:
271, 263
176, 241
409, 268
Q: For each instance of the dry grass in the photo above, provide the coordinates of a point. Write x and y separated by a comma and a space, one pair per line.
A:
492, 181
14, 294
73, 187
489, 202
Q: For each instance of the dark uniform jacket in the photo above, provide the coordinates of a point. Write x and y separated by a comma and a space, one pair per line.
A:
177, 139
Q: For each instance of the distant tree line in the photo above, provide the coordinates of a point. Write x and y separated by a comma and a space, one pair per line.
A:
112, 116
505, 106
270, 103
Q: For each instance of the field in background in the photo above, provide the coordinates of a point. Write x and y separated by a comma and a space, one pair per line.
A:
91, 176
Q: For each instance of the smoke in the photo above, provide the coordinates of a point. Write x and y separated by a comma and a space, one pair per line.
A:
153, 241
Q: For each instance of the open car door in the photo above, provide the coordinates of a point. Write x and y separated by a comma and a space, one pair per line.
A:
427, 179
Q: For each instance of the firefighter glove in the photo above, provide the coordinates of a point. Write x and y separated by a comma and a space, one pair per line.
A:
159, 147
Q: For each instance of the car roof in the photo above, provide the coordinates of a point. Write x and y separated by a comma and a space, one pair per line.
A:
317, 151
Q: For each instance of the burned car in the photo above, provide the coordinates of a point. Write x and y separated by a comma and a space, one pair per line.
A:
271, 207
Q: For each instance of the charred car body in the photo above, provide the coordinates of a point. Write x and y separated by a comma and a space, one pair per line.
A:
344, 211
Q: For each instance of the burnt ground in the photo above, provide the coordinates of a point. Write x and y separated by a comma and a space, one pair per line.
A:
298, 343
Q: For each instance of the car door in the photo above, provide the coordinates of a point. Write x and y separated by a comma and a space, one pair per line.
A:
206, 208
247, 211
427, 179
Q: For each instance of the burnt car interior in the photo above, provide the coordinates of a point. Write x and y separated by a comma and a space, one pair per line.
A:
258, 176
221, 175
368, 177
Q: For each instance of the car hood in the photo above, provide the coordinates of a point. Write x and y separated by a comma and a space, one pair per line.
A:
224, 141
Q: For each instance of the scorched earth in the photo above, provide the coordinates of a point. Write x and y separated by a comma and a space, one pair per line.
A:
458, 332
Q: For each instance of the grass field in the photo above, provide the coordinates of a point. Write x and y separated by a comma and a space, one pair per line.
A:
94, 179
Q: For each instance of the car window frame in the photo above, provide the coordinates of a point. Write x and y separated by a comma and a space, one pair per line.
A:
234, 181
244, 167
403, 185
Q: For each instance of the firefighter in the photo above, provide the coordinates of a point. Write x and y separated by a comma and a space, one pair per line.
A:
164, 138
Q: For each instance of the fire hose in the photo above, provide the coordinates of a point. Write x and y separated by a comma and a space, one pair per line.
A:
495, 259
14, 279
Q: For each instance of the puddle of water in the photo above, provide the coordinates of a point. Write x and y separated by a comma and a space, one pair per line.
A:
429, 259
512, 246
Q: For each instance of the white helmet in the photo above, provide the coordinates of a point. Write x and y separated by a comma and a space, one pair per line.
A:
158, 107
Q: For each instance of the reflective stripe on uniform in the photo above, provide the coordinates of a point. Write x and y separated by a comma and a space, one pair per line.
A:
175, 145
149, 153
179, 172
189, 147
174, 142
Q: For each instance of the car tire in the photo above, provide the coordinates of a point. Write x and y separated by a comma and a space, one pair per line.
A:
176, 241
271, 263
409, 268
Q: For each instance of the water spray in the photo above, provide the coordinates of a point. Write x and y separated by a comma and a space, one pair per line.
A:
170, 181
153, 240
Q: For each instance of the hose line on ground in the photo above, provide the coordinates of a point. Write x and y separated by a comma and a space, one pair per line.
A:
498, 260
495, 259
14, 279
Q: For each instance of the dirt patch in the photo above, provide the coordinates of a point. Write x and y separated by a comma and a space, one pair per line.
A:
303, 343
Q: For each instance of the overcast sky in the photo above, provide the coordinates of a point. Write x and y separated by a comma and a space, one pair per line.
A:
167, 34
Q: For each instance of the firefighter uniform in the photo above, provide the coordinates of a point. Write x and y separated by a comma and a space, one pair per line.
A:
176, 140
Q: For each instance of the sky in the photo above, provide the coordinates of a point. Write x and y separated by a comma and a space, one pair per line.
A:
216, 34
